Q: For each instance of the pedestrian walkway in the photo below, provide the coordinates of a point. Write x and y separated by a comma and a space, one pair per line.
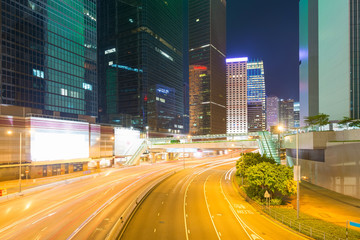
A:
328, 205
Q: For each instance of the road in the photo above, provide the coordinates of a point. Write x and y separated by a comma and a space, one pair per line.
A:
200, 203
85, 209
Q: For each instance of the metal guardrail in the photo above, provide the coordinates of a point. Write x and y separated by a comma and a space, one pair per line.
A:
290, 222
119, 227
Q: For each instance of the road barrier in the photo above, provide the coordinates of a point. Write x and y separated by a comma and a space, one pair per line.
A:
119, 227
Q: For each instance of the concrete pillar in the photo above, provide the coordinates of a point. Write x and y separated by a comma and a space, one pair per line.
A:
167, 156
153, 160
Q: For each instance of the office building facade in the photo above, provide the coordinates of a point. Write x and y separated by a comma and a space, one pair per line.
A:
207, 48
296, 114
141, 64
286, 113
329, 58
255, 116
256, 88
236, 95
48, 52
272, 111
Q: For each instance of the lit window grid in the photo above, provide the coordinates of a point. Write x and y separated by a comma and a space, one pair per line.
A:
62, 57
236, 97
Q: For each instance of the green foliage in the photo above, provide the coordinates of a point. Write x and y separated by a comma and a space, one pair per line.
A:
274, 178
275, 202
321, 119
355, 123
310, 120
346, 121
250, 159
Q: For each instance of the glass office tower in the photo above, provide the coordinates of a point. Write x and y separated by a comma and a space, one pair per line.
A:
140, 63
329, 58
256, 89
207, 48
48, 53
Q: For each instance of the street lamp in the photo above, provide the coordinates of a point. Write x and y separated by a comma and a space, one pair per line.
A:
280, 129
20, 143
298, 174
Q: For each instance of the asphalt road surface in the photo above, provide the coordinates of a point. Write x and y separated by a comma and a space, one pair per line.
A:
85, 209
201, 203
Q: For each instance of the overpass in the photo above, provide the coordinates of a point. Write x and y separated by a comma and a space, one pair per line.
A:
171, 148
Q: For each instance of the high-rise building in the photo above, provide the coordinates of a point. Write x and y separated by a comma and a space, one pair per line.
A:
296, 114
286, 113
141, 64
207, 48
48, 56
236, 95
329, 58
256, 88
255, 116
272, 111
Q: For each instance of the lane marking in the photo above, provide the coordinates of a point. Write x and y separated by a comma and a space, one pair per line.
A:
208, 208
253, 234
192, 178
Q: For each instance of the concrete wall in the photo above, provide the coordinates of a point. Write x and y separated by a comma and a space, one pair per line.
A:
340, 171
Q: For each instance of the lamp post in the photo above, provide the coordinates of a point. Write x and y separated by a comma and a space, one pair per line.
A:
280, 129
20, 148
232, 150
298, 174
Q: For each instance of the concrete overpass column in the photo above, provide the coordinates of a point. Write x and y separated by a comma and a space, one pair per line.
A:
153, 160
171, 156
167, 156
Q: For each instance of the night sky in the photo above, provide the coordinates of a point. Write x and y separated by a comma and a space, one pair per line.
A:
268, 30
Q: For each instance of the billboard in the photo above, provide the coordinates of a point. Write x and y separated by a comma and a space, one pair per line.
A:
53, 139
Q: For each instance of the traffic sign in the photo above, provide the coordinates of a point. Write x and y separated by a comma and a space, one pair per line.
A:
267, 194
354, 224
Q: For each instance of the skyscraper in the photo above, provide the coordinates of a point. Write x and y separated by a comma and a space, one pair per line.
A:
207, 44
255, 116
286, 113
48, 51
256, 88
140, 63
272, 111
329, 58
236, 95
296, 114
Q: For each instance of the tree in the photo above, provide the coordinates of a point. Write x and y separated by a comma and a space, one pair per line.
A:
355, 123
274, 178
310, 120
321, 119
250, 159
346, 121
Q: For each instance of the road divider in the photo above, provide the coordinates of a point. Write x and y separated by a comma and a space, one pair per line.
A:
119, 227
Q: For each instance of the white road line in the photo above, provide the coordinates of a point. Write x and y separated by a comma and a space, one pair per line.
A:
253, 234
208, 208
191, 179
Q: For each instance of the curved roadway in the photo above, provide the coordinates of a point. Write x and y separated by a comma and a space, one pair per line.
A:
200, 203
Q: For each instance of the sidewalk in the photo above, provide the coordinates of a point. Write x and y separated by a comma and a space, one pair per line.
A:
328, 205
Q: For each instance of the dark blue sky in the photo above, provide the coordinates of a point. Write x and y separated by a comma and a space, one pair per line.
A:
269, 30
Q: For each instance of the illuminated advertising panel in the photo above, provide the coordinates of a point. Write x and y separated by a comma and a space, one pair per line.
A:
53, 139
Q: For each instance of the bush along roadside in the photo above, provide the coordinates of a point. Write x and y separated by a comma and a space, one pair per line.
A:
257, 174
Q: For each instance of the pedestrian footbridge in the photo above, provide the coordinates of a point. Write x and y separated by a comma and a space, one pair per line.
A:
172, 147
